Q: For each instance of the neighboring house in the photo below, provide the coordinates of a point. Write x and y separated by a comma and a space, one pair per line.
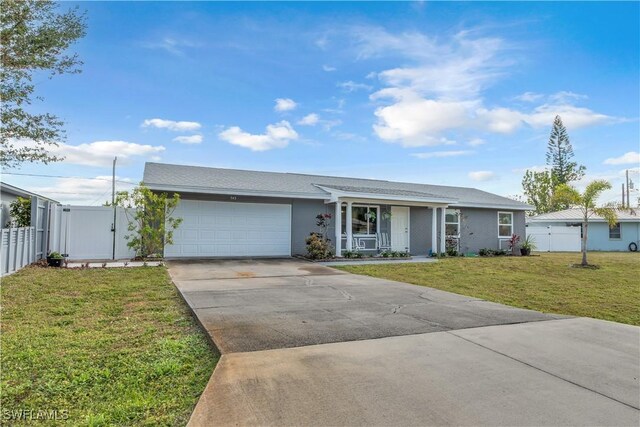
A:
8, 194
600, 237
229, 213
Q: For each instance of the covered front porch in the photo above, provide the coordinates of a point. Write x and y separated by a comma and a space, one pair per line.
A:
376, 222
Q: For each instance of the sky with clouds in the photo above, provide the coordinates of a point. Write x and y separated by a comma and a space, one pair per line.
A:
442, 93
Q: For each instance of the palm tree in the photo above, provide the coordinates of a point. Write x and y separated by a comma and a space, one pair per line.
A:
586, 202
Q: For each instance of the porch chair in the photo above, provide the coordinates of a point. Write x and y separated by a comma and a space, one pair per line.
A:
358, 245
383, 241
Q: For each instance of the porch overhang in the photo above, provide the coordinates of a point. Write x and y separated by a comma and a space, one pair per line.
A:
383, 196
341, 195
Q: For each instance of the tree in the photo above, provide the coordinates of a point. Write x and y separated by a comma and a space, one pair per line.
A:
151, 220
559, 155
538, 189
33, 39
586, 202
20, 211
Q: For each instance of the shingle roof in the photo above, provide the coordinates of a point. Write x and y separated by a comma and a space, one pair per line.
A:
204, 179
375, 190
576, 215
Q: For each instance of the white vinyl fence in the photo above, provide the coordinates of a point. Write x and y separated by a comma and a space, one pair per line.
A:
17, 250
555, 238
77, 232
89, 232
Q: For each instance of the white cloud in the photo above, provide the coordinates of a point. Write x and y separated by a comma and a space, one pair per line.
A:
181, 126
351, 86
632, 157
99, 153
190, 139
476, 142
440, 154
285, 104
459, 67
529, 97
322, 42
440, 90
482, 175
328, 68
573, 117
309, 120
419, 122
277, 135
565, 96
82, 191
171, 45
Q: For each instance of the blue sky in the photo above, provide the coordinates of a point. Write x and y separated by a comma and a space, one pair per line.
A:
434, 92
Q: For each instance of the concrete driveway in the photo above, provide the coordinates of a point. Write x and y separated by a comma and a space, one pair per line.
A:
305, 344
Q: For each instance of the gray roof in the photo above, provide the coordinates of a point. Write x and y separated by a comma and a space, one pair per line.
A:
197, 179
385, 191
575, 215
17, 191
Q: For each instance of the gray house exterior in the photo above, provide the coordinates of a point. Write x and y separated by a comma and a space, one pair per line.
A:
238, 213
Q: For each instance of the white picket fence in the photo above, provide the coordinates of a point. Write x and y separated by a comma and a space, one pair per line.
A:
17, 249
555, 238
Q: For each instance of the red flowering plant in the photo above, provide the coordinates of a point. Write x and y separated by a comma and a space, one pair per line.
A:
513, 242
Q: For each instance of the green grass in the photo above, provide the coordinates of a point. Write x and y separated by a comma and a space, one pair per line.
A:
110, 346
545, 283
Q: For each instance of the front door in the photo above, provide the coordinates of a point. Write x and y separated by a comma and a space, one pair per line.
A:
399, 228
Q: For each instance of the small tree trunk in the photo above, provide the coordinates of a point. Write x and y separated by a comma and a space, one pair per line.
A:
585, 226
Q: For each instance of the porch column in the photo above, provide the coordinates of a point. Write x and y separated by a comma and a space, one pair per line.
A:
443, 242
338, 225
348, 227
434, 230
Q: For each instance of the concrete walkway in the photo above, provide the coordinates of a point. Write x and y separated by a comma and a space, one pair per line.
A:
367, 261
304, 344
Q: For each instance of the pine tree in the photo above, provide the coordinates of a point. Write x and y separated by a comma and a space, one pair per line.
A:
559, 155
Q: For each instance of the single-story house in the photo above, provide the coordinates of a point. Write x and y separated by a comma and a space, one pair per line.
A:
230, 213
9, 194
601, 237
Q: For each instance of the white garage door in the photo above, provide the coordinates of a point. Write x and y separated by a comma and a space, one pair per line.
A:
226, 229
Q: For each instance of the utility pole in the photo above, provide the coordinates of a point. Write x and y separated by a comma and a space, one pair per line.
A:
628, 200
113, 204
623, 196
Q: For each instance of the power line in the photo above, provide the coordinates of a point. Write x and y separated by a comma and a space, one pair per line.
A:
67, 177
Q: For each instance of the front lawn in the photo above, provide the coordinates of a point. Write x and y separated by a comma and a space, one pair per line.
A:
543, 282
108, 346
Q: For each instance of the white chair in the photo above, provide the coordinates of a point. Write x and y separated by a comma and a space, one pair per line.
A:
358, 245
383, 241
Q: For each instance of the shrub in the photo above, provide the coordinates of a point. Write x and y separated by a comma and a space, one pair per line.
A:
20, 212
151, 223
317, 247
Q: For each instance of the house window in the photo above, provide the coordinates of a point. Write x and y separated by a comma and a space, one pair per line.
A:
614, 232
364, 220
505, 224
452, 222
